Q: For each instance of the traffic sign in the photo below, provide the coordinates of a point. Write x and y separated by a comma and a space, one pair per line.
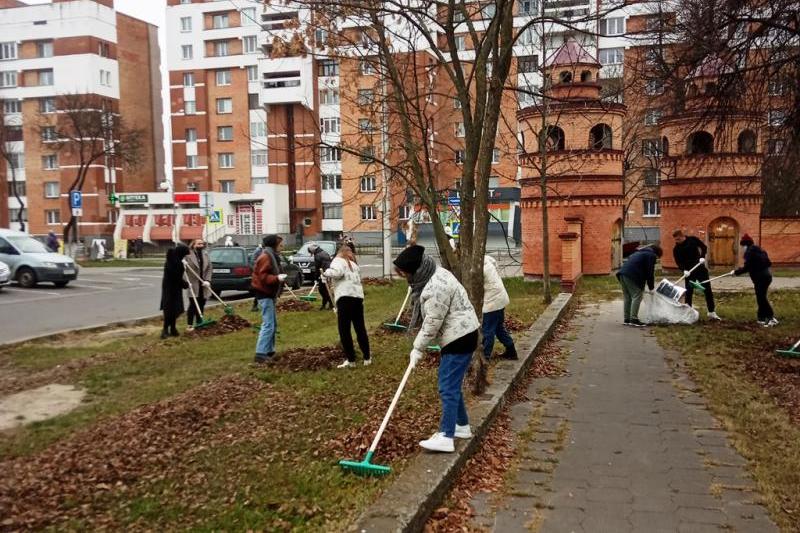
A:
77, 211
454, 200
456, 226
76, 200
215, 217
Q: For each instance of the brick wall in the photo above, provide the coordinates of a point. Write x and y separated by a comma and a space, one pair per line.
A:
780, 237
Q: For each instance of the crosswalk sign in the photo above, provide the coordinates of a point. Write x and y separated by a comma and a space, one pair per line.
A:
215, 217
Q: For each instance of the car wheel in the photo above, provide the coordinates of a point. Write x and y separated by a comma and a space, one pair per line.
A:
60, 284
26, 277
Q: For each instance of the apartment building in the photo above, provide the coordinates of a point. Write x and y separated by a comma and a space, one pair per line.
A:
74, 47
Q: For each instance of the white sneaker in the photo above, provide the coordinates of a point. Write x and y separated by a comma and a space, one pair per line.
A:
713, 316
772, 323
190, 328
463, 432
367, 362
346, 364
438, 443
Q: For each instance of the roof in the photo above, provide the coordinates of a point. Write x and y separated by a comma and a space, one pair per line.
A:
571, 53
710, 67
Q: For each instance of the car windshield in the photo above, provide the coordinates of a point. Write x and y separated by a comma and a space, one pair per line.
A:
329, 247
227, 255
27, 245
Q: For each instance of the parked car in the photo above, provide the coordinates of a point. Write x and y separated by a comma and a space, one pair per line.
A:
305, 260
31, 262
5, 275
232, 269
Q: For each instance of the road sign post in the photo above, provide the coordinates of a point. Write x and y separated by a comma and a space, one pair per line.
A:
76, 205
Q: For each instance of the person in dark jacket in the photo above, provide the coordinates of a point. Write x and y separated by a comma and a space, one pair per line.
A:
322, 262
688, 251
267, 282
172, 286
52, 242
638, 270
757, 263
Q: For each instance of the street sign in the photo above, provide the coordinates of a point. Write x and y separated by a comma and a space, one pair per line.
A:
77, 211
454, 200
133, 198
456, 227
215, 217
75, 200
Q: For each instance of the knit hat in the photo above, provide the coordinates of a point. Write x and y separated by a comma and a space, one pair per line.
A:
271, 241
410, 259
747, 240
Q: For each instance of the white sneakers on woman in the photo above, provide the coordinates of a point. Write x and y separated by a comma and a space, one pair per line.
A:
439, 443
347, 364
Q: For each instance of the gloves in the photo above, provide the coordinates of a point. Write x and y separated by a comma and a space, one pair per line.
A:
207, 284
686, 273
415, 357
702, 260
281, 277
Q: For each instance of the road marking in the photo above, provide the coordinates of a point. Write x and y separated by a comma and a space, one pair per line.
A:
31, 291
131, 279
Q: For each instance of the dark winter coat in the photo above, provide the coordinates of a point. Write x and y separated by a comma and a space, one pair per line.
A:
688, 253
756, 263
641, 268
174, 282
52, 242
322, 261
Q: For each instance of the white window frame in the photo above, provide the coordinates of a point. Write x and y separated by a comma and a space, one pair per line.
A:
220, 21
8, 79
368, 183
331, 182
8, 51
258, 158
223, 77
330, 154
192, 161
258, 129
368, 212
12, 107
366, 68
248, 16
227, 186
613, 56
190, 135
776, 117
52, 189
225, 133
458, 157
653, 87
52, 216
187, 52
328, 207
651, 208
495, 156
528, 7
250, 44
190, 107
460, 130
461, 43
330, 125
329, 96
186, 24
225, 160
50, 162
652, 117
221, 49
252, 73
224, 106
188, 76
494, 182
44, 49
612, 26
404, 212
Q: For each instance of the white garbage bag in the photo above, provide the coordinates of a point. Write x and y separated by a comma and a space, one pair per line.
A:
658, 309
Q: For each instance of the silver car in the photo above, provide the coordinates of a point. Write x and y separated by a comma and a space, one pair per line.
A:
5, 275
31, 262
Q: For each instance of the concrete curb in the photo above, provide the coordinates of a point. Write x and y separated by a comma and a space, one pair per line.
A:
415, 494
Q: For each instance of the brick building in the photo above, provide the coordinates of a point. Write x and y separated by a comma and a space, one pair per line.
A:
74, 47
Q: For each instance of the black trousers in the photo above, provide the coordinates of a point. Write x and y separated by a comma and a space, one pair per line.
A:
170, 320
192, 315
761, 283
351, 312
325, 294
700, 275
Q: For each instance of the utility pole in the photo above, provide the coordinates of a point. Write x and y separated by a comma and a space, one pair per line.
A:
387, 204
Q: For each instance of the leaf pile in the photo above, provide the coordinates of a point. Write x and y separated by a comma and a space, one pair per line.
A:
514, 325
290, 305
65, 480
405, 318
226, 324
317, 358
377, 282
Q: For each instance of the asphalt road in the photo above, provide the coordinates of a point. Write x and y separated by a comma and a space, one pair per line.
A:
102, 296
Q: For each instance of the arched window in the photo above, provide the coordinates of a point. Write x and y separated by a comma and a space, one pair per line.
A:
747, 142
553, 138
691, 92
700, 142
586, 76
600, 137
565, 77
664, 145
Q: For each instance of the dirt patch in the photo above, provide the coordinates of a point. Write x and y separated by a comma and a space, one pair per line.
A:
377, 282
226, 324
62, 482
317, 358
293, 306
38, 404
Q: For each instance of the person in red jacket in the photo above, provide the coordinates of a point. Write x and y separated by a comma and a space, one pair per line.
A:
267, 284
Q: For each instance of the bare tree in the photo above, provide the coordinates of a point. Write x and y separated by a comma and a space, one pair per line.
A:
88, 131
10, 132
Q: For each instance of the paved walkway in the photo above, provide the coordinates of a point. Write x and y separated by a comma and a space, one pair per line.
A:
621, 443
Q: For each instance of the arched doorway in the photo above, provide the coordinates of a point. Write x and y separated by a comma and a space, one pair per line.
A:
616, 245
723, 239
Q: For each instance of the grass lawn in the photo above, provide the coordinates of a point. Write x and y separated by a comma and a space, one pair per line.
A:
184, 434
128, 263
755, 393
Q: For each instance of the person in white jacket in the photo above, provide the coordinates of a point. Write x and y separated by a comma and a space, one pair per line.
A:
448, 318
495, 300
349, 297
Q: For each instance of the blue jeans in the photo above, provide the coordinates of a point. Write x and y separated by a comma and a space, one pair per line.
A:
452, 370
494, 326
265, 345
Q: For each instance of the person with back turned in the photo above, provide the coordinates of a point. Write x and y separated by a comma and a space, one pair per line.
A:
688, 251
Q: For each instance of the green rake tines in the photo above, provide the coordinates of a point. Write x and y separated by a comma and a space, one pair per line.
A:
697, 286
310, 296
396, 325
791, 352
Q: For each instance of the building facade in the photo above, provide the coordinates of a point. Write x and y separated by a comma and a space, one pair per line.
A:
76, 48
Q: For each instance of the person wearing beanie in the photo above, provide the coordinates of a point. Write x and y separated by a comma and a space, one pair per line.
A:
267, 283
757, 263
442, 307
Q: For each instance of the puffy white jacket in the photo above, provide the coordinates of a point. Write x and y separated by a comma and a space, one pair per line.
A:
447, 314
346, 282
495, 296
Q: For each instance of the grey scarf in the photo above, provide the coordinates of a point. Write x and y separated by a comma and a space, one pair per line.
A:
418, 281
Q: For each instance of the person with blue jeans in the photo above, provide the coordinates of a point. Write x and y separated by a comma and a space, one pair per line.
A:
495, 300
267, 283
441, 305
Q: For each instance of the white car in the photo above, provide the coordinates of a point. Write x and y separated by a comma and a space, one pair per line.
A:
5, 275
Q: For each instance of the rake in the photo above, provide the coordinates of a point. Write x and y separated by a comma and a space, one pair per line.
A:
228, 309
310, 296
204, 322
699, 285
791, 352
672, 290
365, 466
396, 325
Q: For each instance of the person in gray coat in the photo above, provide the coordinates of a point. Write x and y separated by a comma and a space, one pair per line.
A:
199, 262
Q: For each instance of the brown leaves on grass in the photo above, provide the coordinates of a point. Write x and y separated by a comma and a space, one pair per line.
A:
778, 376
226, 324
293, 305
377, 282
65, 480
317, 358
514, 325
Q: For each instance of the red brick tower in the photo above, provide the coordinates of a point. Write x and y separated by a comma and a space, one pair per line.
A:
710, 169
575, 138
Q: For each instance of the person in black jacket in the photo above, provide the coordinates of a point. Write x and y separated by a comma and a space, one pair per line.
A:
322, 262
172, 286
688, 251
638, 270
757, 263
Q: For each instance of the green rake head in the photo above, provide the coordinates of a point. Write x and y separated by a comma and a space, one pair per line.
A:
365, 467
204, 323
394, 326
794, 351
697, 286
309, 298
229, 310
434, 348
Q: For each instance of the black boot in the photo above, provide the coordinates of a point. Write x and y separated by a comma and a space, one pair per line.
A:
173, 332
510, 353
164, 333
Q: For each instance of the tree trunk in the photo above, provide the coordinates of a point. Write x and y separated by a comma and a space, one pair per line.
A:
20, 217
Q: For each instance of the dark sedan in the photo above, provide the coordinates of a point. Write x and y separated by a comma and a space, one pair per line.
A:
233, 269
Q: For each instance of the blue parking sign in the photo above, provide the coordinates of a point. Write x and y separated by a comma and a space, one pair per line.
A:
75, 199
